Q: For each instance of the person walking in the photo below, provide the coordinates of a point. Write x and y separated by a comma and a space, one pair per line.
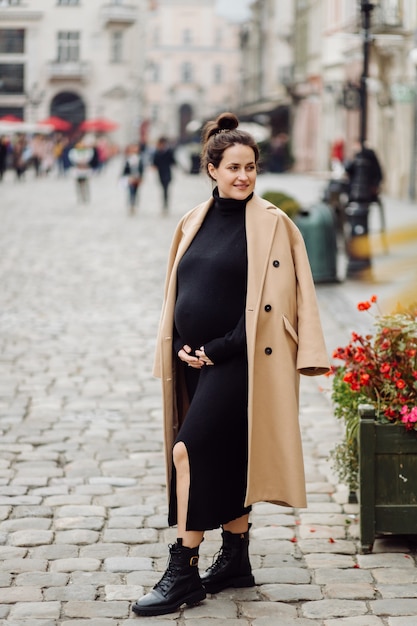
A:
133, 172
239, 324
163, 159
80, 157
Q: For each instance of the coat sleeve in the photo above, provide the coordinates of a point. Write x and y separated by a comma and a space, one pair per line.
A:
312, 357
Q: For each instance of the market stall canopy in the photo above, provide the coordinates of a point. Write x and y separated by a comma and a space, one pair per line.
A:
10, 128
99, 125
11, 118
57, 123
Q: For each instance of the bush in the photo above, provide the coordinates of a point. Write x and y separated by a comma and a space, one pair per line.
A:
286, 203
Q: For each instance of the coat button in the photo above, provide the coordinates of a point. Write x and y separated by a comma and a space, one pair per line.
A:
267, 308
268, 351
275, 263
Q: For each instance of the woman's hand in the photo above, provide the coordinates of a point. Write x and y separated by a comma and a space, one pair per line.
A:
192, 361
203, 357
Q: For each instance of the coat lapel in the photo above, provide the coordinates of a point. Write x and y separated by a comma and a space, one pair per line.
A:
261, 224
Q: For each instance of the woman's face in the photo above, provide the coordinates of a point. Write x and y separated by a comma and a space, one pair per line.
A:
236, 174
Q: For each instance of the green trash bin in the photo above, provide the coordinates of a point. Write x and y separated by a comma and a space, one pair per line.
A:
317, 225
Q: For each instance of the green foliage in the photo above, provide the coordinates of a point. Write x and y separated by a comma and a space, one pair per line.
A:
286, 203
378, 369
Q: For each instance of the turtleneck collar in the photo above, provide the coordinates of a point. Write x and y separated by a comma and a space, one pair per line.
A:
229, 204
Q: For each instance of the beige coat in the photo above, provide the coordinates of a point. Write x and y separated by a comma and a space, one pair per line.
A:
284, 339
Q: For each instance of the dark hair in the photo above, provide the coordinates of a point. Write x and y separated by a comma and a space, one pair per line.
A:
219, 135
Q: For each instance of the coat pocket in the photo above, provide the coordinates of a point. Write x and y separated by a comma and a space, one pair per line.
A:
290, 329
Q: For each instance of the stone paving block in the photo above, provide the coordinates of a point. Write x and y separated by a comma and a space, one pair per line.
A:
351, 575
276, 575
349, 591
143, 578
88, 523
79, 536
96, 578
123, 592
333, 608
272, 533
401, 621
31, 537
75, 565
133, 522
67, 500
53, 552
34, 610
316, 531
268, 547
277, 610
132, 536
38, 523
101, 621
17, 566
371, 561
96, 609
308, 546
393, 607
363, 620
213, 607
325, 560
389, 574
397, 591
104, 550
291, 593
81, 511
71, 592
11, 595
42, 579
127, 564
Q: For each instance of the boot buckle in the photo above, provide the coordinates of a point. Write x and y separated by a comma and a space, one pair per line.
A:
194, 561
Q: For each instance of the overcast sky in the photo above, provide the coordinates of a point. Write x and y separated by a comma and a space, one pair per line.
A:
236, 10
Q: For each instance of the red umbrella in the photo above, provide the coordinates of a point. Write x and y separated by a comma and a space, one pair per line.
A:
99, 125
10, 118
57, 122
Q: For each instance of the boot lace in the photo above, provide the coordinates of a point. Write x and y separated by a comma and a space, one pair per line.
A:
220, 559
169, 575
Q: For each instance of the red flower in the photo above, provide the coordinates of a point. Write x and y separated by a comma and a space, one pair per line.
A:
400, 384
364, 306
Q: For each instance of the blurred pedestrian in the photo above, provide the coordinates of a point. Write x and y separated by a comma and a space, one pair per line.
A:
239, 324
80, 157
4, 148
133, 173
163, 160
365, 174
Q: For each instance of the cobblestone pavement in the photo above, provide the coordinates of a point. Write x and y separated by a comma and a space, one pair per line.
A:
82, 488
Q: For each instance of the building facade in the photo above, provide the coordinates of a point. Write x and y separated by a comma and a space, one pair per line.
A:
308, 56
75, 60
193, 66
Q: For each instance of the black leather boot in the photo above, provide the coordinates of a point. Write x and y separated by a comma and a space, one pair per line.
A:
232, 567
180, 584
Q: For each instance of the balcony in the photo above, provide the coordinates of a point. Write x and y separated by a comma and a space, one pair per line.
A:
11, 13
73, 70
118, 14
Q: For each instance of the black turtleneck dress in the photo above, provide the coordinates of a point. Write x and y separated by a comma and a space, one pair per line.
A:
210, 312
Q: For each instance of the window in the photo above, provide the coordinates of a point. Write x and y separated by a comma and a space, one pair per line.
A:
218, 74
186, 72
67, 3
116, 50
154, 72
9, 3
12, 78
155, 113
68, 46
187, 36
12, 40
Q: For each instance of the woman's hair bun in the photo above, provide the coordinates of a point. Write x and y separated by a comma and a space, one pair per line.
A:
224, 122
227, 121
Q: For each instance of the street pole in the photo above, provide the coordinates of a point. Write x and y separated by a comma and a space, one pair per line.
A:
413, 161
357, 211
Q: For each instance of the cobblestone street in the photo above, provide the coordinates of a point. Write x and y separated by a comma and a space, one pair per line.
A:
82, 485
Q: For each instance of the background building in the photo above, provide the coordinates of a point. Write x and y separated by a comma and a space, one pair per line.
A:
193, 66
72, 59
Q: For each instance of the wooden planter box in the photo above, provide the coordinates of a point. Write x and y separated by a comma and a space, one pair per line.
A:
387, 479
